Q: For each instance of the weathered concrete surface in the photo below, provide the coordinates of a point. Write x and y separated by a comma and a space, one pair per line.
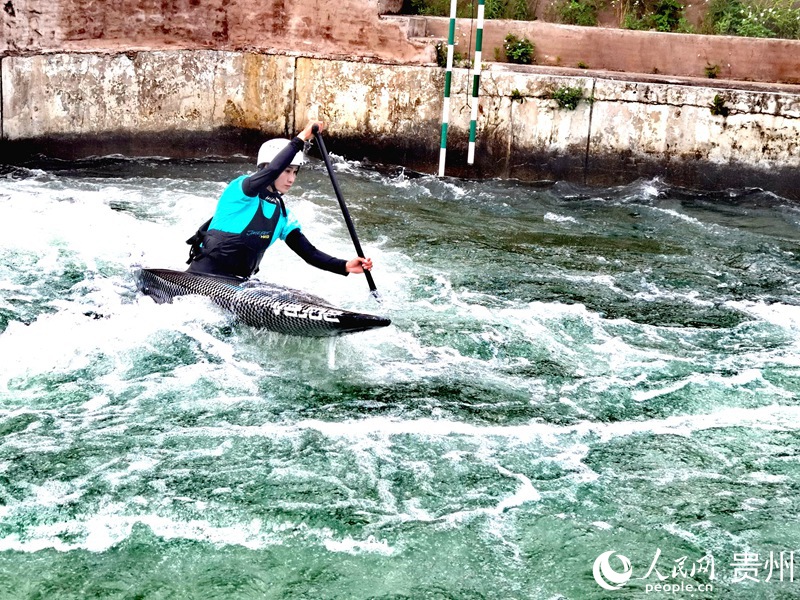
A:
93, 94
347, 28
647, 52
396, 110
393, 115
676, 122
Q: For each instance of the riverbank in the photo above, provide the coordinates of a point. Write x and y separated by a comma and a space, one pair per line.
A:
194, 103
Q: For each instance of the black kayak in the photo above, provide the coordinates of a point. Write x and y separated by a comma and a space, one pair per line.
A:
259, 304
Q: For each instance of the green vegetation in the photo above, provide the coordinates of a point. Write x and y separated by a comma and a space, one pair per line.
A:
757, 18
712, 71
519, 50
493, 9
658, 15
507, 9
459, 60
718, 108
441, 54
574, 12
567, 96
516, 96
749, 18
441, 8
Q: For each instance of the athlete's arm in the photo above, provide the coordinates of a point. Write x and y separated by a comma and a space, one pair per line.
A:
316, 258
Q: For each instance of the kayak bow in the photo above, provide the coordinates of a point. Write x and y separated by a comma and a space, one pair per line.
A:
259, 304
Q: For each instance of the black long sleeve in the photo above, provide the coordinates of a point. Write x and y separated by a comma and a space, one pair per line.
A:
316, 258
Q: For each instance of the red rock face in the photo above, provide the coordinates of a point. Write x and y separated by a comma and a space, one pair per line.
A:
345, 28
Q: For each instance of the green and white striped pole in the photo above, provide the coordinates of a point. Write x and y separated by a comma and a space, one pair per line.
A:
476, 81
448, 78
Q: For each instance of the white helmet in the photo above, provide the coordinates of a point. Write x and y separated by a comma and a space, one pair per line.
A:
270, 149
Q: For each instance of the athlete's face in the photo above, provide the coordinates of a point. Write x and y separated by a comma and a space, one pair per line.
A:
286, 179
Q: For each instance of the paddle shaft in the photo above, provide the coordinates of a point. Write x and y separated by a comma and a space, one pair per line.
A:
350, 227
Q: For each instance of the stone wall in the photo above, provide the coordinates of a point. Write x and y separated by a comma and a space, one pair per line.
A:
72, 104
348, 28
144, 92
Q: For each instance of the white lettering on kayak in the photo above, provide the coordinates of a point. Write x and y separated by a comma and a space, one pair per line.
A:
298, 311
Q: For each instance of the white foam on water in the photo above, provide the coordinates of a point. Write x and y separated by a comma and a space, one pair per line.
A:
82, 222
414, 188
683, 533
604, 280
526, 492
762, 477
753, 504
136, 466
112, 526
652, 292
559, 218
681, 216
643, 396
572, 458
54, 493
768, 418
651, 188
349, 545
752, 379
27, 350
783, 315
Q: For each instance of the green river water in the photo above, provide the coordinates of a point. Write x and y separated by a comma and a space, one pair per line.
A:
586, 393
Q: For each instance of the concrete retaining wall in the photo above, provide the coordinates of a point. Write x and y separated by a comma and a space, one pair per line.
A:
627, 51
392, 114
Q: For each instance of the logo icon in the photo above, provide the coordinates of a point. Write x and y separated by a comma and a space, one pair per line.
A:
606, 577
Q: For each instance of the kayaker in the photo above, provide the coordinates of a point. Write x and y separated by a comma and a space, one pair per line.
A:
251, 215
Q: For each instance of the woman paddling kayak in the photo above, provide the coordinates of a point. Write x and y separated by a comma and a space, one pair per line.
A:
251, 215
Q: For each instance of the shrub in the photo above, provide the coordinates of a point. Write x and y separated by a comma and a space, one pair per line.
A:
518, 50
567, 96
575, 12
458, 58
493, 9
661, 15
441, 8
507, 9
441, 54
750, 18
718, 107
761, 18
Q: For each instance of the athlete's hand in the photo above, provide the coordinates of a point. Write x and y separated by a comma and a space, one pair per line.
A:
359, 265
307, 133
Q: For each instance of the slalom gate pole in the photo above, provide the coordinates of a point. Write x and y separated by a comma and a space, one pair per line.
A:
448, 79
350, 227
476, 81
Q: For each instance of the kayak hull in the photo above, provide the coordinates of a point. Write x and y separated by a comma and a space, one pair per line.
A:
259, 304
